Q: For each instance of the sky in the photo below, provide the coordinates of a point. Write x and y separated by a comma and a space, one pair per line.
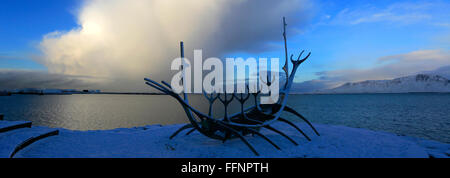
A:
112, 45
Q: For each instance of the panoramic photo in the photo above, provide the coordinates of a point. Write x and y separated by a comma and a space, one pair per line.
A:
224, 79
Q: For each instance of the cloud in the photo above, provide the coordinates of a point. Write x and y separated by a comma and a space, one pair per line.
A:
127, 40
388, 67
309, 86
398, 13
13, 79
395, 66
421, 56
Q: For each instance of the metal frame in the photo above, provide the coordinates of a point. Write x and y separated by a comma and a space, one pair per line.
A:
249, 120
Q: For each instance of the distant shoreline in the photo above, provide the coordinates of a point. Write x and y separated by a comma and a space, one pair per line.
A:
132, 93
126, 93
369, 93
103, 93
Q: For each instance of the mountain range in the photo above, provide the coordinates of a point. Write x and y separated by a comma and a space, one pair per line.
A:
413, 83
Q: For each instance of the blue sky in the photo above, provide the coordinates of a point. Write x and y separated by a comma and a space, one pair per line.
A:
343, 35
355, 34
23, 24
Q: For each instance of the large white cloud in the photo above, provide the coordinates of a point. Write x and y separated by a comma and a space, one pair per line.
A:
126, 40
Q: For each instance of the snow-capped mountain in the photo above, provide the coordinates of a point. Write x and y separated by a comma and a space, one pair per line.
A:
442, 71
415, 83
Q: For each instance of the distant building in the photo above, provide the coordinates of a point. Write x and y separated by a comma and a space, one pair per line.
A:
5, 93
28, 91
91, 91
70, 91
47, 91
52, 91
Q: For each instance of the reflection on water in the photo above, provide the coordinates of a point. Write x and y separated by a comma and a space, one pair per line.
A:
96, 112
420, 115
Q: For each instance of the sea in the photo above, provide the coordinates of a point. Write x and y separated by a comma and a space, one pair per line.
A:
424, 115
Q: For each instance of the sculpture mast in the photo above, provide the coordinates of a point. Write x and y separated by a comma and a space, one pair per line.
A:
184, 71
286, 64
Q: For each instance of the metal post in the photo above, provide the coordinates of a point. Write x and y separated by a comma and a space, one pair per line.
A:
184, 71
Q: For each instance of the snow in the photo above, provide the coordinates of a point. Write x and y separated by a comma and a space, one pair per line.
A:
415, 83
13, 138
153, 142
442, 71
6, 124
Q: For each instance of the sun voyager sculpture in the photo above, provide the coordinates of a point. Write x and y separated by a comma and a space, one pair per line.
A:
250, 120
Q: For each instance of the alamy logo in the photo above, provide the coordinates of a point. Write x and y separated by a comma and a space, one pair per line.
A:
241, 76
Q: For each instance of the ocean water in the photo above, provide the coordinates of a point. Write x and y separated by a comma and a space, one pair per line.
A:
425, 115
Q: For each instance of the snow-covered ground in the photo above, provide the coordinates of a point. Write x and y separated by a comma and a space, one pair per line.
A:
154, 142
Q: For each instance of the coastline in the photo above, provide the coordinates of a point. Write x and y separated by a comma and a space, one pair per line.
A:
153, 142
103, 93
144, 93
